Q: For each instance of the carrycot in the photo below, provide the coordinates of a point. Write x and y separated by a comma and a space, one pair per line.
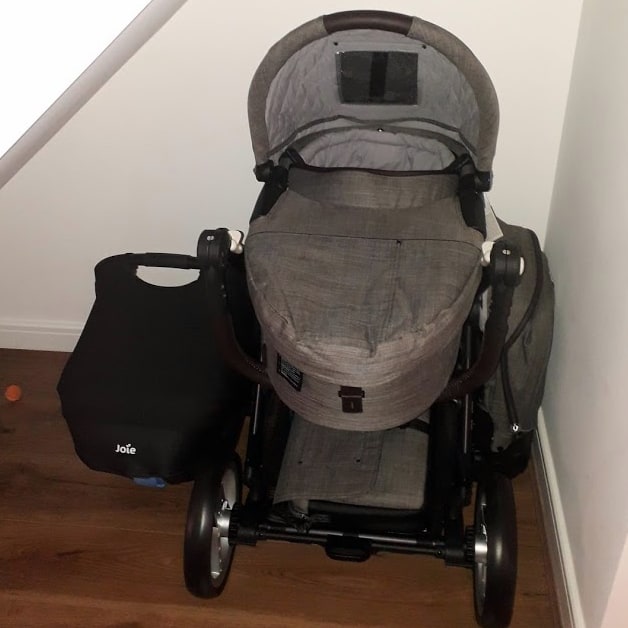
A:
365, 269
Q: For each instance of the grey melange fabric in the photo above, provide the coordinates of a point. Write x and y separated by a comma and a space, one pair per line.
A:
380, 469
377, 151
363, 280
304, 96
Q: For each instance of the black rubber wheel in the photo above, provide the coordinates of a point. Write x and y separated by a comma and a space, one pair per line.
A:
207, 554
495, 552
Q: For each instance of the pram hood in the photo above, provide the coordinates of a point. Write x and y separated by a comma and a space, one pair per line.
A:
368, 71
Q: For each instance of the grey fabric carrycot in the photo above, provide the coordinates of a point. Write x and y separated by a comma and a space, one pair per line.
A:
364, 270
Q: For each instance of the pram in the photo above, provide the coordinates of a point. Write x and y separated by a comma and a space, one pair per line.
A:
403, 330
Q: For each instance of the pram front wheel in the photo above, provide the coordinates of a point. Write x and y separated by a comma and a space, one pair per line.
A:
495, 552
207, 554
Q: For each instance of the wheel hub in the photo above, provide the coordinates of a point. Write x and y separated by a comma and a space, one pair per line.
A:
480, 558
221, 550
223, 519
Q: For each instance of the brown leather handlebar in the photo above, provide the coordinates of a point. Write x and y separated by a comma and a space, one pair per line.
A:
373, 20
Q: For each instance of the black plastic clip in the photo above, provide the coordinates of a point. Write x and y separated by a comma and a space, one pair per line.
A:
351, 399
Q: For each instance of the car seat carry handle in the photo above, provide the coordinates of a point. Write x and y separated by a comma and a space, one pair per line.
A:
505, 269
372, 20
213, 250
164, 260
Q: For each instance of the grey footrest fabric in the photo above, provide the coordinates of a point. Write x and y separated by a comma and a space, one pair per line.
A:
384, 469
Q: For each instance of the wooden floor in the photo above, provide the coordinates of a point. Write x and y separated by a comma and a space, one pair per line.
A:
80, 548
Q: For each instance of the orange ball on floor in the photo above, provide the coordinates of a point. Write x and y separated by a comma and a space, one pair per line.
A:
13, 392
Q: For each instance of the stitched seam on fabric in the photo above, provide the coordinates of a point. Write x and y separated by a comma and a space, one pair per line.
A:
452, 306
365, 123
262, 298
320, 235
395, 268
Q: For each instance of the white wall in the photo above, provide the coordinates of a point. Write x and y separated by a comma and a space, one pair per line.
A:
61, 52
585, 401
162, 150
55, 68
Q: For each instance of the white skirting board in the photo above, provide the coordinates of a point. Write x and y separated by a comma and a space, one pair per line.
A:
38, 335
564, 574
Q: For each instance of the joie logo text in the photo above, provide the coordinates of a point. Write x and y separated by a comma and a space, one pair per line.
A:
125, 449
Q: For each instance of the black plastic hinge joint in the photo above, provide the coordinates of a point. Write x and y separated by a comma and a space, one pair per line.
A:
264, 171
505, 266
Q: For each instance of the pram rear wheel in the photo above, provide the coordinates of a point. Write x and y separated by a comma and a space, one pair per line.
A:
495, 552
207, 554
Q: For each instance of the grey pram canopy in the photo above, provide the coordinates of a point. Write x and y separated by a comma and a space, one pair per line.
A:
364, 270
317, 86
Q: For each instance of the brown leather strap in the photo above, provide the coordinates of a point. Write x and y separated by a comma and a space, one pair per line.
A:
233, 354
374, 20
495, 333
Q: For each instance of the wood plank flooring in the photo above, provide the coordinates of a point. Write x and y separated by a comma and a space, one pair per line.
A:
80, 548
